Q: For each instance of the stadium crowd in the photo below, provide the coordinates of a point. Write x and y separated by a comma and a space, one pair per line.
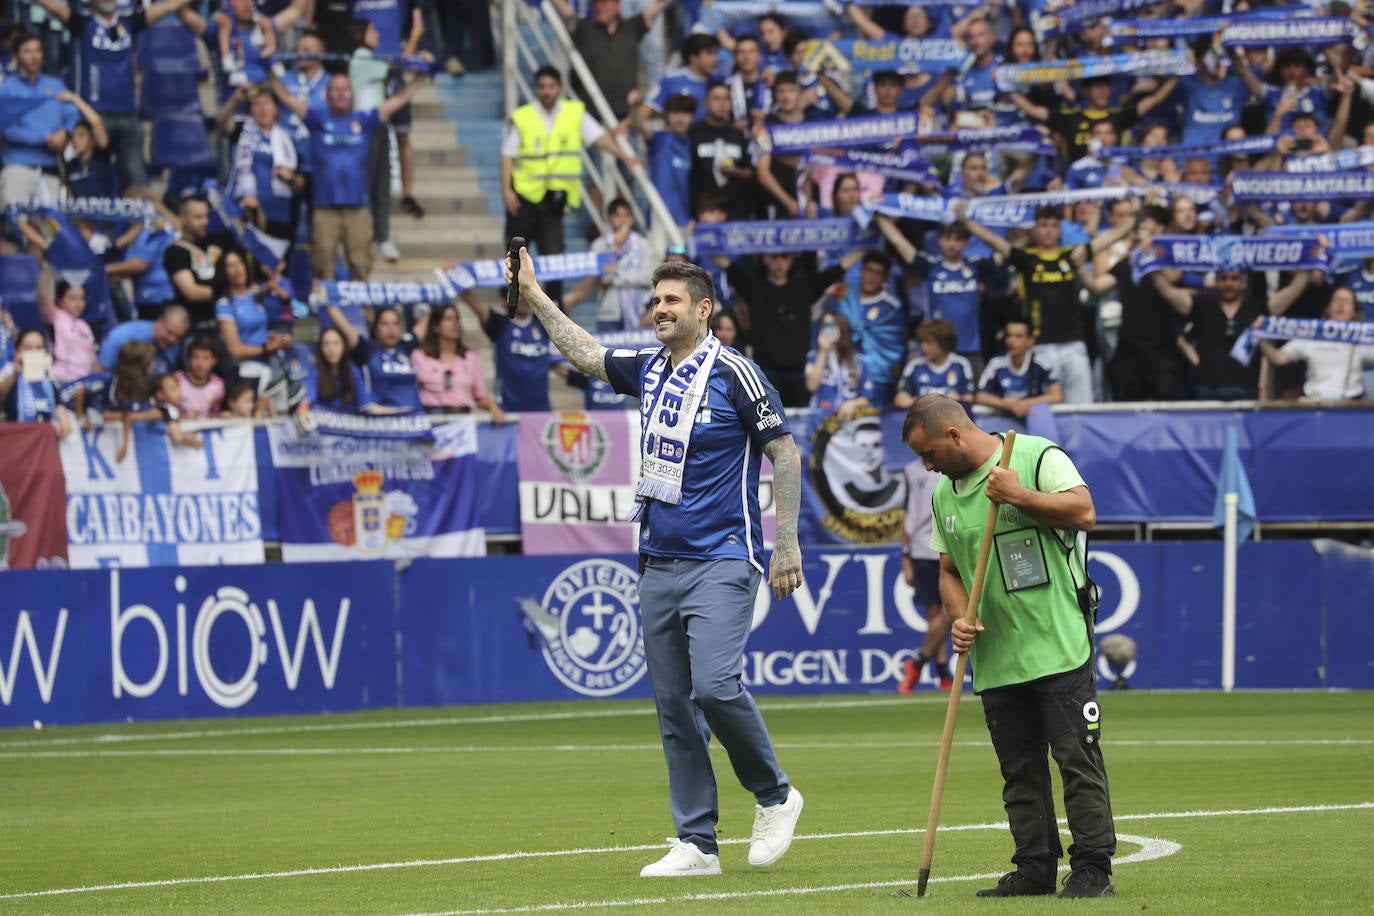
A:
161, 306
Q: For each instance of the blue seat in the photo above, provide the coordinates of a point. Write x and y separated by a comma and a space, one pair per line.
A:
180, 141
165, 94
169, 48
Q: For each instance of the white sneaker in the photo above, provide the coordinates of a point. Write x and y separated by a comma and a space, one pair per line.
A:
389, 251
682, 861
773, 828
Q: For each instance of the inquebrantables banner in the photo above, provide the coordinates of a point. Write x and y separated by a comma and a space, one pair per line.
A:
350, 498
1286, 186
162, 504
33, 498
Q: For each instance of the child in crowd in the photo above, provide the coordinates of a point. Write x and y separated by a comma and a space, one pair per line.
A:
73, 343
201, 390
938, 370
134, 396
246, 37
1016, 381
167, 398
242, 402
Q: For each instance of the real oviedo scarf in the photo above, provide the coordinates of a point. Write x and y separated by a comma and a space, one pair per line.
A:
668, 411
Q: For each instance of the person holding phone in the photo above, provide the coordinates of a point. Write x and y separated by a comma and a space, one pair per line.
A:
26, 385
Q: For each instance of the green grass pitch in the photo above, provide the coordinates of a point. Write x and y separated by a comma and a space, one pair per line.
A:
1245, 803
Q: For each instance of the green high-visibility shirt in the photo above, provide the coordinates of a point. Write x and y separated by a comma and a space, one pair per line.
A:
1033, 624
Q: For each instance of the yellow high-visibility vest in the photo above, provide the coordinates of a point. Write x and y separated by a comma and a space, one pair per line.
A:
549, 161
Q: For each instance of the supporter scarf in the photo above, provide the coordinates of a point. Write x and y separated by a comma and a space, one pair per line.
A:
907, 55
1277, 327
668, 427
399, 61
1312, 31
753, 9
1005, 211
265, 249
326, 422
1346, 241
245, 183
1247, 145
1203, 253
490, 274
868, 130
1073, 18
1022, 139
793, 235
637, 339
1344, 160
96, 209
1125, 30
905, 165
1283, 186
381, 294
1174, 63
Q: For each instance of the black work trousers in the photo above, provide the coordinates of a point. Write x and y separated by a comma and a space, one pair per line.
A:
1056, 715
541, 226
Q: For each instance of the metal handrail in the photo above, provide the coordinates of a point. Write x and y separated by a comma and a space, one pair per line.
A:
517, 54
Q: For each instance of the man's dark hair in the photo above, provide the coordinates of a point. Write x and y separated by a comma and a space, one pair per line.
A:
776, 19
748, 36
712, 200
1049, 212
887, 76
698, 281
1157, 212
1024, 322
550, 71
933, 413
21, 37
681, 101
698, 42
940, 331
618, 203
716, 84
954, 231
786, 76
881, 258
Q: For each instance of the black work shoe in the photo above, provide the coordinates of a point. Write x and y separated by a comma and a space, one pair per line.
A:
1088, 881
412, 207
1015, 884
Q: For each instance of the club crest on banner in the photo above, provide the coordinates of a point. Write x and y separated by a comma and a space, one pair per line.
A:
587, 627
373, 516
575, 443
863, 501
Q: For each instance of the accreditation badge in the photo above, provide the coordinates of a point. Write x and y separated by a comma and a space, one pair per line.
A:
1022, 557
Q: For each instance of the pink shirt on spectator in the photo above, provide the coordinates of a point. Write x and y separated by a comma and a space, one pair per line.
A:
466, 385
200, 400
73, 346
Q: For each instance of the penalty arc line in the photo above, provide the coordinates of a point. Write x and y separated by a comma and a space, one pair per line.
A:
556, 853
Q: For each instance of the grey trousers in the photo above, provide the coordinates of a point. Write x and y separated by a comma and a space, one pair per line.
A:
696, 622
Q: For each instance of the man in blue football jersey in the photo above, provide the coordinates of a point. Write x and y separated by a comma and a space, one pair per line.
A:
1016, 381
523, 354
707, 414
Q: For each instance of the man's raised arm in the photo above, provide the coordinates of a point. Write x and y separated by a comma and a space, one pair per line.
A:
582, 349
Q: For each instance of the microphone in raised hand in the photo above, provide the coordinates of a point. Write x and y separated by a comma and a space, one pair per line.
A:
513, 291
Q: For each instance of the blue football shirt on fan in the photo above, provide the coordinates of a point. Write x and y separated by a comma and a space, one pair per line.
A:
922, 377
103, 65
1000, 379
524, 356
718, 516
338, 156
952, 293
389, 373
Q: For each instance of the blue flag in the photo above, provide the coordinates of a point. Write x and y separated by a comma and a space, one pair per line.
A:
1233, 479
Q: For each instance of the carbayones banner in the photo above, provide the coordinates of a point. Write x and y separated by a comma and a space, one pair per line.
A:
907, 55
379, 294
98, 209
163, 504
1277, 327
1010, 77
905, 165
1204, 253
344, 498
1346, 159
1313, 31
1286, 186
737, 238
491, 273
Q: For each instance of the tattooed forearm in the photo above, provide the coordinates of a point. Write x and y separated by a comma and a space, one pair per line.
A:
782, 451
581, 348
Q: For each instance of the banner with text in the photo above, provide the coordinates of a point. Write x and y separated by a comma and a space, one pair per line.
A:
491, 273
905, 55
162, 504
739, 238
1317, 187
1230, 252
347, 498
1010, 77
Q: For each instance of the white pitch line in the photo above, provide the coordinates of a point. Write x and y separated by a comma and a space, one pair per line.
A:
616, 713
558, 853
40, 754
1150, 849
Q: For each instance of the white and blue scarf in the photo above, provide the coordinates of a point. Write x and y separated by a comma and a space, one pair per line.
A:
668, 412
